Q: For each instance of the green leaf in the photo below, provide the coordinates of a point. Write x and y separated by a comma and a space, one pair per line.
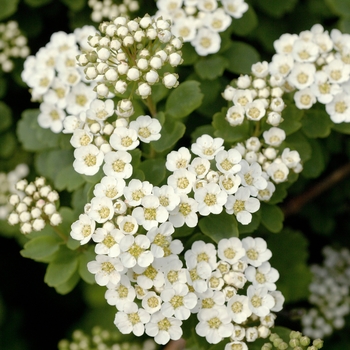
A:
33, 137
189, 54
69, 285
3, 87
291, 119
226, 131
240, 57
8, 144
316, 164
8, 8
316, 123
184, 99
42, 247
289, 257
277, 8
68, 179
210, 67
62, 268
87, 256
154, 170
244, 25
219, 226
171, 132
201, 130
74, 5
6, 116
339, 7
271, 217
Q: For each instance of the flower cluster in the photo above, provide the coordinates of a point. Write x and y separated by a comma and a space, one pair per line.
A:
317, 65
132, 53
8, 187
103, 339
107, 9
201, 22
35, 206
154, 292
329, 294
13, 44
56, 81
297, 341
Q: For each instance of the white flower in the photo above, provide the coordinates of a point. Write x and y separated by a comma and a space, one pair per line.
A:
206, 42
339, 108
304, 99
228, 161
132, 319
201, 251
302, 75
178, 159
217, 21
151, 302
80, 98
262, 276
163, 328
51, 117
214, 324
207, 147
124, 139
167, 197
121, 294
178, 301
107, 239
109, 187
251, 177
117, 164
242, 205
260, 302
337, 71
281, 65
170, 80
229, 183
185, 212
106, 269
127, 224
323, 89
100, 110
200, 167
136, 190
182, 181
147, 128
274, 136
184, 27
210, 198
230, 250
239, 308
101, 209
278, 171
235, 115
255, 110
150, 276
134, 250
256, 251
236, 344
82, 229
279, 300
305, 51
88, 160
235, 8
150, 213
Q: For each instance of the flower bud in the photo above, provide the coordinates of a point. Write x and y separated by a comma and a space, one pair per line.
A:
111, 75
152, 77
120, 86
170, 80
26, 228
55, 219
13, 219
38, 224
304, 341
133, 74
103, 54
125, 108
102, 90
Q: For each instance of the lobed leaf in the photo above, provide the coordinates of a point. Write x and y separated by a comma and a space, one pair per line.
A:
272, 217
211, 67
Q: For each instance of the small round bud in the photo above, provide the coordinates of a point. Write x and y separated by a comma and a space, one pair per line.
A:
133, 74
44, 191
318, 343
14, 199
21, 207
304, 341
170, 80
105, 148
294, 335
55, 219
95, 128
36, 213
283, 346
91, 72
26, 228
120, 86
13, 219
152, 77
144, 90
108, 129
49, 209
102, 90
27, 200
21, 185
38, 224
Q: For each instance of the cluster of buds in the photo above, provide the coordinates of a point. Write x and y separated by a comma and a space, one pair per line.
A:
297, 341
35, 207
131, 52
103, 339
13, 44
107, 9
7, 187
329, 294
254, 97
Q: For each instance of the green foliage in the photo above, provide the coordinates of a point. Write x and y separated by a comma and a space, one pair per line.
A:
339, 7
154, 170
316, 123
276, 8
33, 137
290, 254
219, 226
240, 57
74, 5
244, 25
316, 164
8, 8
183, 100
291, 119
6, 117
272, 217
37, 3
210, 67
